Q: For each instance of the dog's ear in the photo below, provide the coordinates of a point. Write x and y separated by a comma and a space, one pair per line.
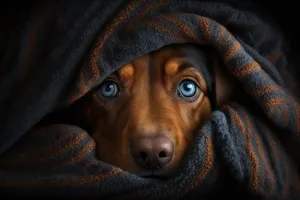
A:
224, 83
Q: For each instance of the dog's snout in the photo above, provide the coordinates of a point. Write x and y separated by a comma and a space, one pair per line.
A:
152, 153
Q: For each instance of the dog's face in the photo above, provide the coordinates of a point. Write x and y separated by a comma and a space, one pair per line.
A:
143, 117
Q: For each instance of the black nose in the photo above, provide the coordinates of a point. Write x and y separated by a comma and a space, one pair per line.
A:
152, 153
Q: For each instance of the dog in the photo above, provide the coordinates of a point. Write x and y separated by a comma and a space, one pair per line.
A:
144, 116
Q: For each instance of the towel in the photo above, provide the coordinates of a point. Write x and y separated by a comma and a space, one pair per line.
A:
66, 48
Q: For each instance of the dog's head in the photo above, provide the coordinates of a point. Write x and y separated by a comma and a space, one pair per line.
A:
143, 117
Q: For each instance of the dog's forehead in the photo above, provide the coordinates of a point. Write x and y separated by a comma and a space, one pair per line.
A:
171, 57
175, 55
195, 55
126, 71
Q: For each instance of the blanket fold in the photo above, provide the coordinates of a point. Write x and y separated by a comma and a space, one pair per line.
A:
68, 48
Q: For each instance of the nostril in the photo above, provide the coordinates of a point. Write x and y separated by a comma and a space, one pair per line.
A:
152, 153
162, 154
143, 156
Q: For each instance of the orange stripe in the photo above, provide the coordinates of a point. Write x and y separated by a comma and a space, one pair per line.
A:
237, 120
166, 30
254, 160
221, 36
265, 167
121, 16
288, 165
264, 89
42, 132
232, 51
263, 172
145, 11
181, 25
74, 143
207, 164
273, 151
71, 144
278, 112
204, 24
79, 156
275, 101
54, 155
56, 183
246, 69
227, 40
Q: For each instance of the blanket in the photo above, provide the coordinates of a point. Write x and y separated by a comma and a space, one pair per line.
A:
66, 48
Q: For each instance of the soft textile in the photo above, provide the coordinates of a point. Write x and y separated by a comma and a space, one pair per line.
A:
69, 47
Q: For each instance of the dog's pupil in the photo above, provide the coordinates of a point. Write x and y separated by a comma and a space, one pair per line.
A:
109, 87
188, 86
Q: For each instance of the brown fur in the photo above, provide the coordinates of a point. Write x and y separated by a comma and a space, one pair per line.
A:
148, 105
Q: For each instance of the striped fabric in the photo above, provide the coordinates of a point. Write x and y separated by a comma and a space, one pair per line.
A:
70, 47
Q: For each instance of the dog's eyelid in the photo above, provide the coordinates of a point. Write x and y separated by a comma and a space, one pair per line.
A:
190, 99
112, 77
190, 78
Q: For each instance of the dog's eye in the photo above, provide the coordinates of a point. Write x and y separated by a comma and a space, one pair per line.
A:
188, 89
109, 89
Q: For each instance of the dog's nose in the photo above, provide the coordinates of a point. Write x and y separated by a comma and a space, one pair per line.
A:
152, 153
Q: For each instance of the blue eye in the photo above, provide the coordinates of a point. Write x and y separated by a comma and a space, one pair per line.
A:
109, 89
187, 89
